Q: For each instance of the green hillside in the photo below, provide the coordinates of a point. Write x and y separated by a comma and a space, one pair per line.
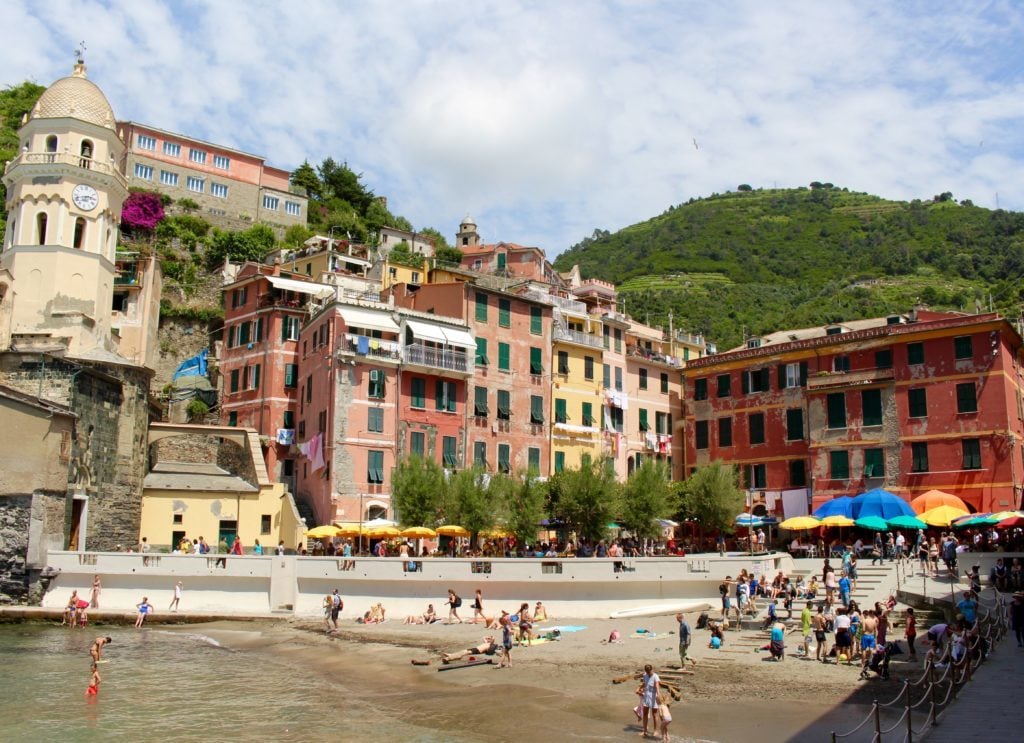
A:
750, 262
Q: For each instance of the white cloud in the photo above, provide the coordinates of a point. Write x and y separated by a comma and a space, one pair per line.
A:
546, 120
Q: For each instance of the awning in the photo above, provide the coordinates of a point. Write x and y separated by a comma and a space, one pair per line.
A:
458, 337
304, 287
426, 332
360, 318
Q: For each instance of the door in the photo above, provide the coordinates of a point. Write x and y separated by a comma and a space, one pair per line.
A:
226, 533
77, 512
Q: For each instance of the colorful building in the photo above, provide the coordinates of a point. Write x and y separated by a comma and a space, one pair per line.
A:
909, 403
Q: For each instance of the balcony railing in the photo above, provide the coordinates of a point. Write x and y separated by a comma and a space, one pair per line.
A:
438, 358
849, 378
66, 158
649, 355
372, 348
576, 336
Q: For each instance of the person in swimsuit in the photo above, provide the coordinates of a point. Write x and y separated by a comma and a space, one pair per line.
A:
71, 610
94, 599
478, 607
487, 647
177, 597
144, 609
867, 641
821, 648
506, 642
97, 648
94, 682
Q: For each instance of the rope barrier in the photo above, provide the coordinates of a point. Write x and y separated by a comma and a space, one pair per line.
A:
895, 725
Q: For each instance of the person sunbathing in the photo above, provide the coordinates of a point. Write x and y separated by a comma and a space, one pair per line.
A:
540, 613
427, 617
487, 647
375, 615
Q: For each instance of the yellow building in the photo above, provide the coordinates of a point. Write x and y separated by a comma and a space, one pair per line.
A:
319, 255
226, 495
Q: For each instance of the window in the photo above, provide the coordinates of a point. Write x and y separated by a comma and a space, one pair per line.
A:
536, 366
836, 403
254, 376
536, 409
618, 419
588, 372
533, 459
375, 467
239, 297
449, 445
192, 183
840, 363
874, 463
222, 162
797, 473
168, 178
606, 376
290, 329
51, 143
375, 420
883, 359
700, 389
197, 156
309, 388
145, 142
757, 380
966, 398
293, 209
418, 392
588, 414
504, 405
171, 149
839, 465
643, 377
757, 476
724, 383
291, 375
563, 362
793, 375
505, 313
663, 423
917, 401
444, 395
376, 388
972, 454
644, 425
755, 426
871, 402
145, 172
480, 402
794, 424
618, 340
417, 443
502, 259
915, 353
561, 416
618, 378
481, 352
725, 431
265, 522
664, 382
504, 457
270, 202
480, 454
919, 456
79, 238
481, 307
232, 419
219, 190
289, 419
963, 348
234, 380
559, 461
536, 321
701, 434
504, 364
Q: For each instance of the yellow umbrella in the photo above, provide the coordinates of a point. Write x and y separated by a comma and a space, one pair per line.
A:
997, 517
800, 523
451, 530
836, 521
933, 499
418, 532
321, 532
498, 532
942, 515
384, 531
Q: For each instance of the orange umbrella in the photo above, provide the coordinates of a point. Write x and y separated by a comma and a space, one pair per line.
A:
934, 499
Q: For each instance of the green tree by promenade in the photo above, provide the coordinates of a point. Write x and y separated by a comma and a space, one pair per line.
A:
587, 498
711, 497
469, 501
647, 496
521, 499
417, 487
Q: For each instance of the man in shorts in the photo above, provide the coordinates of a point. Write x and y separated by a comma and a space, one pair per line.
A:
805, 628
723, 589
869, 622
820, 636
685, 634
336, 606
844, 637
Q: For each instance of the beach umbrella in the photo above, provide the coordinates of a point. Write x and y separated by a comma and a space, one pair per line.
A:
498, 532
1012, 521
1001, 515
800, 523
837, 520
418, 532
974, 519
381, 532
941, 516
907, 522
451, 530
749, 519
842, 506
374, 523
322, 532
935, 498
960, 519
874, 523
880, 503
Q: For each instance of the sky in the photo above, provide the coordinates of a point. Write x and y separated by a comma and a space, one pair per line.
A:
545, 120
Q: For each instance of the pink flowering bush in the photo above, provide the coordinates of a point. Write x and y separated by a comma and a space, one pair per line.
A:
142, 210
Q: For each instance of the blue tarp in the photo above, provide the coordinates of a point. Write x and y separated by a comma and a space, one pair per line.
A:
195, 366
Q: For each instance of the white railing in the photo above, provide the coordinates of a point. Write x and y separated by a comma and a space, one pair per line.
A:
66, 158
576, 336
438, 358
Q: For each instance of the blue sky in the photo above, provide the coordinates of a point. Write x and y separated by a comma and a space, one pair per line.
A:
545, 120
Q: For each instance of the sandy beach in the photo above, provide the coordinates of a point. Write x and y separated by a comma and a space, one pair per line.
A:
563, 690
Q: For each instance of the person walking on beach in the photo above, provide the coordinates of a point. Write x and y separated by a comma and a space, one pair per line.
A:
1017, 618
144, 610
177, 597
685, 635
336, 606
650, 690
454, 602
96, 651
506, 642
664, 717
478, 607
94, 598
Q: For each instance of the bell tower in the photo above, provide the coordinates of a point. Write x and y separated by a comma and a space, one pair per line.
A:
467, 235
65, 190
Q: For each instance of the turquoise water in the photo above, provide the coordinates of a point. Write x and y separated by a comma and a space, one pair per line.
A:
163, 683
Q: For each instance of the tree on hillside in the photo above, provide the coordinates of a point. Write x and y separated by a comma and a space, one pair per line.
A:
15, 102
436, 236
416, 488
711, 497
251, 245
306, 178
647, 496
142, 211
341, 182
586, 498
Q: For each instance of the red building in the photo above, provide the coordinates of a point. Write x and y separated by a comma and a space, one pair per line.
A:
906, 403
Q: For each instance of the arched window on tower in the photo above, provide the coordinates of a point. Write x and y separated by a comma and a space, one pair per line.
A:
79, 233
41, 228
51, 143
87, 148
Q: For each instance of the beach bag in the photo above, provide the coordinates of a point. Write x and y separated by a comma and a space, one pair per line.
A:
702, 620
458, 602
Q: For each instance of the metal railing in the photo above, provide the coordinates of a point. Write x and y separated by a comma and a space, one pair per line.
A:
576, 336
438, 358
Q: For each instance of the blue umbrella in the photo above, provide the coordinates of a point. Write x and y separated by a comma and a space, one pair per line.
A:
749, 519
836, 507
880, 503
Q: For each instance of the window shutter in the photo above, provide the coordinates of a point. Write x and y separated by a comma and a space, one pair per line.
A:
745, 379
439, 395
803, 373
782, 376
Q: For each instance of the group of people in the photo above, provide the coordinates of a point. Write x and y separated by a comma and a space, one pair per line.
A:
653, 711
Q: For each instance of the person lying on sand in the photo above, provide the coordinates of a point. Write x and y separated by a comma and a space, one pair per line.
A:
375, 615
487, 647
428, 617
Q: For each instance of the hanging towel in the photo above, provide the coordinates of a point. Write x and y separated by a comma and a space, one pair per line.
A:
363, 345
375, 344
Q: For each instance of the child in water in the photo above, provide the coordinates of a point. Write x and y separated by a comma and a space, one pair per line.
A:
94, 682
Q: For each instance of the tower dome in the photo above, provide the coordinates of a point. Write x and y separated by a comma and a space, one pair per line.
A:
75, 97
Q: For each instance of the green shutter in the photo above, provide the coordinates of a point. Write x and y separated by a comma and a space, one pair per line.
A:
501, 261
536, 321
256, 377
481, 307
419, 392
536, 365
504, 458
505, 313
837, 410
449, 451
588, 414
560, 414
644, 425
536, 409
504, 404
480, 401
234, 380
533, 459
503, 357
559, 461
840, 465
481, 352
871, 403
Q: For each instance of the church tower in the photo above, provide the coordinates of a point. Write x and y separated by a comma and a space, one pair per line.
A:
467, 235
65, 190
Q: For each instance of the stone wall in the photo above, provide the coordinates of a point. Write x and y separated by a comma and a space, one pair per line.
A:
15, 512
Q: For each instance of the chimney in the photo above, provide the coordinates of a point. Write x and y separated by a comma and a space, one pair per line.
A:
277, 266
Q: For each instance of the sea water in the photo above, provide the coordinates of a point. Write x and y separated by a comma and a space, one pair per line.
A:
171, 684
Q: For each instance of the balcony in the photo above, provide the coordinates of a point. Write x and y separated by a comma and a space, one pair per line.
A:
578, 337
373, 348
69, 159
439, 358
825, 380
653, 356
